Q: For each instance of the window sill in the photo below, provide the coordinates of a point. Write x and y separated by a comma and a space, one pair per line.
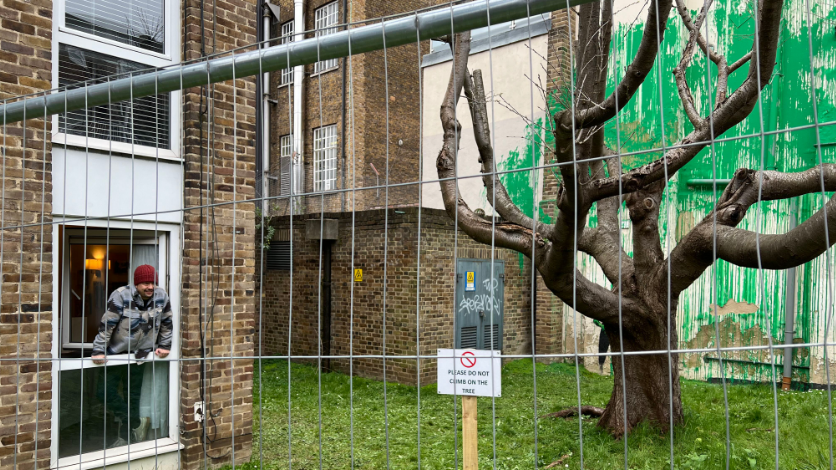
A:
117, 148
68, 364
120, 454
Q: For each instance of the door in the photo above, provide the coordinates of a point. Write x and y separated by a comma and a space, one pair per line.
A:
480, 300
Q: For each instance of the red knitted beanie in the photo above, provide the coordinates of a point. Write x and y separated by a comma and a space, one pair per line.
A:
145, 273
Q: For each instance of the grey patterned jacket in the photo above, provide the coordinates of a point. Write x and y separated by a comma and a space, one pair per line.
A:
131, 324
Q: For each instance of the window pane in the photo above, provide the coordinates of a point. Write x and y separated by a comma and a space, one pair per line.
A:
325, 20
325, 158
140, 23
109, 407
90, 268
287, 37
143, 121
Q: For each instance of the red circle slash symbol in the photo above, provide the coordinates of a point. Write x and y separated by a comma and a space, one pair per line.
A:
468, 360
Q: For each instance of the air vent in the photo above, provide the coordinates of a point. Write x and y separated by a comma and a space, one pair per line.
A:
469, 337
488, 344
278, 256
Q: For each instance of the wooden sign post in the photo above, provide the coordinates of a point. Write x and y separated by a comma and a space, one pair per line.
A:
470, 436
470, 373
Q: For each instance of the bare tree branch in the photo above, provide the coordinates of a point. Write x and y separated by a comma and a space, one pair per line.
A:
740, 62
794, 248
562, 277
608, 208
634, 76
694, 253
723, 70
474, 90
603, 243
505, 235
604, 248
728, 114
587, 297
695, 30
685, 95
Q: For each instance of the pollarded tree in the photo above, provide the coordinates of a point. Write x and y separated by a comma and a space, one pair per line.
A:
642, 282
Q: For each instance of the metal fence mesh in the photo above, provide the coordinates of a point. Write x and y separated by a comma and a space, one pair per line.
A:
629, 203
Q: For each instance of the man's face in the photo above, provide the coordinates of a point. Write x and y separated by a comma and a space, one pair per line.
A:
145, 289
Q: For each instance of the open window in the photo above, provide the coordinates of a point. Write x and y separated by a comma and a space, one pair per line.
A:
106, 411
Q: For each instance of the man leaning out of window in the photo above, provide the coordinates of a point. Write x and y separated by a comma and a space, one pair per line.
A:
137, 321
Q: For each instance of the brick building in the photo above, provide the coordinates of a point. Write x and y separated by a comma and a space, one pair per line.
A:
415, 295
343, 114
87, 196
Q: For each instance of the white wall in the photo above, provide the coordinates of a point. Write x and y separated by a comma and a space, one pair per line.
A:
509, 66
157, 186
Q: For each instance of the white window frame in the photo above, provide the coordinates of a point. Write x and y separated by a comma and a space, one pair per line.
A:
286, 75
62, 34
285, 152
326, 19
146, 448
325, 157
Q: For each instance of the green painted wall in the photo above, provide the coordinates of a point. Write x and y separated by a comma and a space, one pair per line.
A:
654, 119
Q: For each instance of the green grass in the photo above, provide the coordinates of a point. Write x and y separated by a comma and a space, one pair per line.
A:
698, 444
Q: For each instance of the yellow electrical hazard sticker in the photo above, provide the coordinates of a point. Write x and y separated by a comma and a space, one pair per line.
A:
470, 286
358, 275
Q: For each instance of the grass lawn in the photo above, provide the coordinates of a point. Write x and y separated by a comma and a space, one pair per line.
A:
698, 444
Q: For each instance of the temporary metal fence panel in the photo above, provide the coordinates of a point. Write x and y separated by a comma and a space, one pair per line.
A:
642, 191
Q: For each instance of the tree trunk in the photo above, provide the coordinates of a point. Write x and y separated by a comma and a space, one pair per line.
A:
648, 378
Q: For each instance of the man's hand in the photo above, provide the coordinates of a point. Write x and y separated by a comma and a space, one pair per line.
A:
99, 359
162, 352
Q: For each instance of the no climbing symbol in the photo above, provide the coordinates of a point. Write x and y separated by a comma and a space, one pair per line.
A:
468, 359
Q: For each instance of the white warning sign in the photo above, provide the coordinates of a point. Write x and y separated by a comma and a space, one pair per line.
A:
470, 372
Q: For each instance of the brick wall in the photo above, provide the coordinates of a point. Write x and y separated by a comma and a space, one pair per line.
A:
227, 174
437, 287
26, 288
362, 138
549, 318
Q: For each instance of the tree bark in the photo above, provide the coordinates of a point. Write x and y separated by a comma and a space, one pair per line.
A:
646, 378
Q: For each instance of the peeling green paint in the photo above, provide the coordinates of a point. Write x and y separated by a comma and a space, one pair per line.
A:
654, 118
523, 186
